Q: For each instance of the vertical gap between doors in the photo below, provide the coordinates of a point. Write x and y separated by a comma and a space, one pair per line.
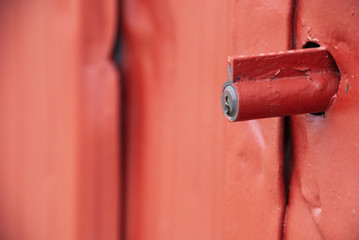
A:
117, 56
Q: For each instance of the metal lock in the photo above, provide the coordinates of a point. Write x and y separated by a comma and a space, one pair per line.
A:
279, 84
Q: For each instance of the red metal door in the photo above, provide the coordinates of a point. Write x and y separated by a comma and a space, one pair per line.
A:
324, 190
59, 169
192, 174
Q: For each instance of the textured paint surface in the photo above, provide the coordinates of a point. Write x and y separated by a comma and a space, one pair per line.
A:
59, 117
324, 191
191, 173
283, 84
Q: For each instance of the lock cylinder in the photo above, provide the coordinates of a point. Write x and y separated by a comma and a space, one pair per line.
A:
279, 84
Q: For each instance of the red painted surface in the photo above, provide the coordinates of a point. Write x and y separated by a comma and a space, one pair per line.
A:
324, 191
192, 174
284, 83
59, 145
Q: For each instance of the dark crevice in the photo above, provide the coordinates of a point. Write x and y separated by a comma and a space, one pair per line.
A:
117, 56
311, 45
287, 148
287, 133
294, 26
318, 114
287, 166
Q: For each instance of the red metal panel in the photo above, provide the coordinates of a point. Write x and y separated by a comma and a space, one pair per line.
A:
191, 174
58, 124
98, 195
324, 195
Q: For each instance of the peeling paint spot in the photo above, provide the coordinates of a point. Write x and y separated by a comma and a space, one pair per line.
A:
290, 72
316, 212
347, 88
